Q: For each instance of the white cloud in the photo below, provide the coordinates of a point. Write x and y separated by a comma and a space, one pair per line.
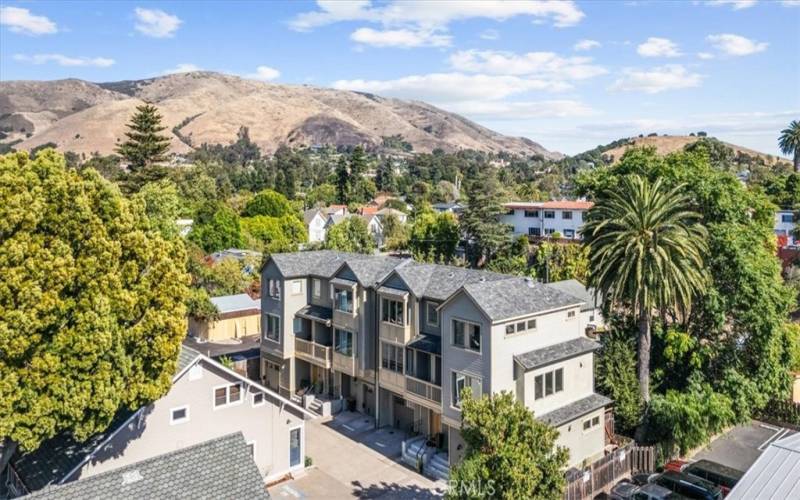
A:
21, 20
490, 34
658, 47
540, 64
451, 87
427, 14
735, 45
521, 110
736, 4
586, 45
62, 60
655, 80
264, 73
182, 68
402, 38
705, 55
156, 23
790, 3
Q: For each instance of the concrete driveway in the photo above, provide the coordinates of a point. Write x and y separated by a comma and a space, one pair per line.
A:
353, 460
742, 445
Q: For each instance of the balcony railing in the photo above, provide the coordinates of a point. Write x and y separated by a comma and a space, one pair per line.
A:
313, 352
426, 390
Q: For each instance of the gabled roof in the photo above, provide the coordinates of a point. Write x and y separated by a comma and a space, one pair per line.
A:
219, 468
58, 457
775, 475
234, 303
315, 263
515, 297
309, 215
578, 290
438, 282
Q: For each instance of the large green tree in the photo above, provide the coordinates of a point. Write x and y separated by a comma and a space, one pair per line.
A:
269, 203
433, 236
485, 234
789, 142
646, 251
92, 298
144, 144
509, 454
350, 235
216, 227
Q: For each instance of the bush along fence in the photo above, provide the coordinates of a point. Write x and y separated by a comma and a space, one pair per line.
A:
784, 413
602, 474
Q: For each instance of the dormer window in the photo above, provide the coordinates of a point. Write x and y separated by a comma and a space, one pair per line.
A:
392, 312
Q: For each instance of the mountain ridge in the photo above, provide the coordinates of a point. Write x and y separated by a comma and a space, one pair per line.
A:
208, 107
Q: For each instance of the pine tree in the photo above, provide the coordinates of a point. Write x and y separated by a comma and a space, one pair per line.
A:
342, 181
144, 145
486, 235
358, 163
384, 177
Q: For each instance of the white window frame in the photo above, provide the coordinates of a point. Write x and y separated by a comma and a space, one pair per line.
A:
400, 361
297, 287
227, 395
302, 447
465, 346
456, 405
274, 289
571, 315
544, 214
564, 214
336, 333
253, 399
534, 214
255, 451
544, 374
317, 286
428, 314
266, 330
345, 290
592, 424
173, 421
402, 312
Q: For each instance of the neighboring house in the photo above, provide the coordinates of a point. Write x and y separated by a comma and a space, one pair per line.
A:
784, 228
375, 227
400, 339
184, 226
453, 208
592, 308
206, 401
239, 316
547, 217
314, 220
218, 468
335, 209
775, 475
385, 212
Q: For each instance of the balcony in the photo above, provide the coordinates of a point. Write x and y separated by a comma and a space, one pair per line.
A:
312, 352
423, 392
345, 364
399, 334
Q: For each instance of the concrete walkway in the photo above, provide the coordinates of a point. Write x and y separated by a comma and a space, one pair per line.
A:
351, 459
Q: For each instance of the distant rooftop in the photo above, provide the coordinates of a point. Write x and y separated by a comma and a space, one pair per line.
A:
235, 303
555, 205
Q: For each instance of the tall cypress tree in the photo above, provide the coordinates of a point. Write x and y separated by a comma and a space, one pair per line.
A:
342, 181
144, 145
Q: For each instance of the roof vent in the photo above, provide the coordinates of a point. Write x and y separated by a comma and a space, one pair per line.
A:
131, 477
530, 282
482, 279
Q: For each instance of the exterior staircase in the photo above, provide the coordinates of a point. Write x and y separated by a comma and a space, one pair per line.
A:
434, 463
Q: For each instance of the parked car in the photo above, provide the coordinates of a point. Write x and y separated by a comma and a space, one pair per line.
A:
675, 465
628, 490
688, 485
721, 475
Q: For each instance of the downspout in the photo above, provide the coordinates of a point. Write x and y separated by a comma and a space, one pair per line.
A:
377, 355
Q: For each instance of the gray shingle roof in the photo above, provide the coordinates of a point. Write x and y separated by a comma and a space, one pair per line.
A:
438, 282
219, 468
556, 352
579, 290
185, 358
317, 263
369, 269
514, 297
575, 410
309, 215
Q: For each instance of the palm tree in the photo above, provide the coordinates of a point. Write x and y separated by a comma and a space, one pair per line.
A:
646, 252
789, 142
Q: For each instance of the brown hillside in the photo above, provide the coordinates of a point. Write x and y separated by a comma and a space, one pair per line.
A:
666, 144
210, 107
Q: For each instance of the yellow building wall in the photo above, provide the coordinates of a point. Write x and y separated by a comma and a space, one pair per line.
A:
231, 328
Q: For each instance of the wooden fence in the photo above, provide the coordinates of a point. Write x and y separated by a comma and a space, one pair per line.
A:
784, 413
602, 474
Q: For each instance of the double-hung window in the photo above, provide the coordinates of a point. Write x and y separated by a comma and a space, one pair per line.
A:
392, 311
343, 342
227, 395
549, 214
392, 357
273, 330
317, 288
343, 300
460, 382
531, 213
466, 335
566, 214
548, 383
274, 289
432, 314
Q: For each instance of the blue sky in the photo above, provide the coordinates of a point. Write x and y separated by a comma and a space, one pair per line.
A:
569, 75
